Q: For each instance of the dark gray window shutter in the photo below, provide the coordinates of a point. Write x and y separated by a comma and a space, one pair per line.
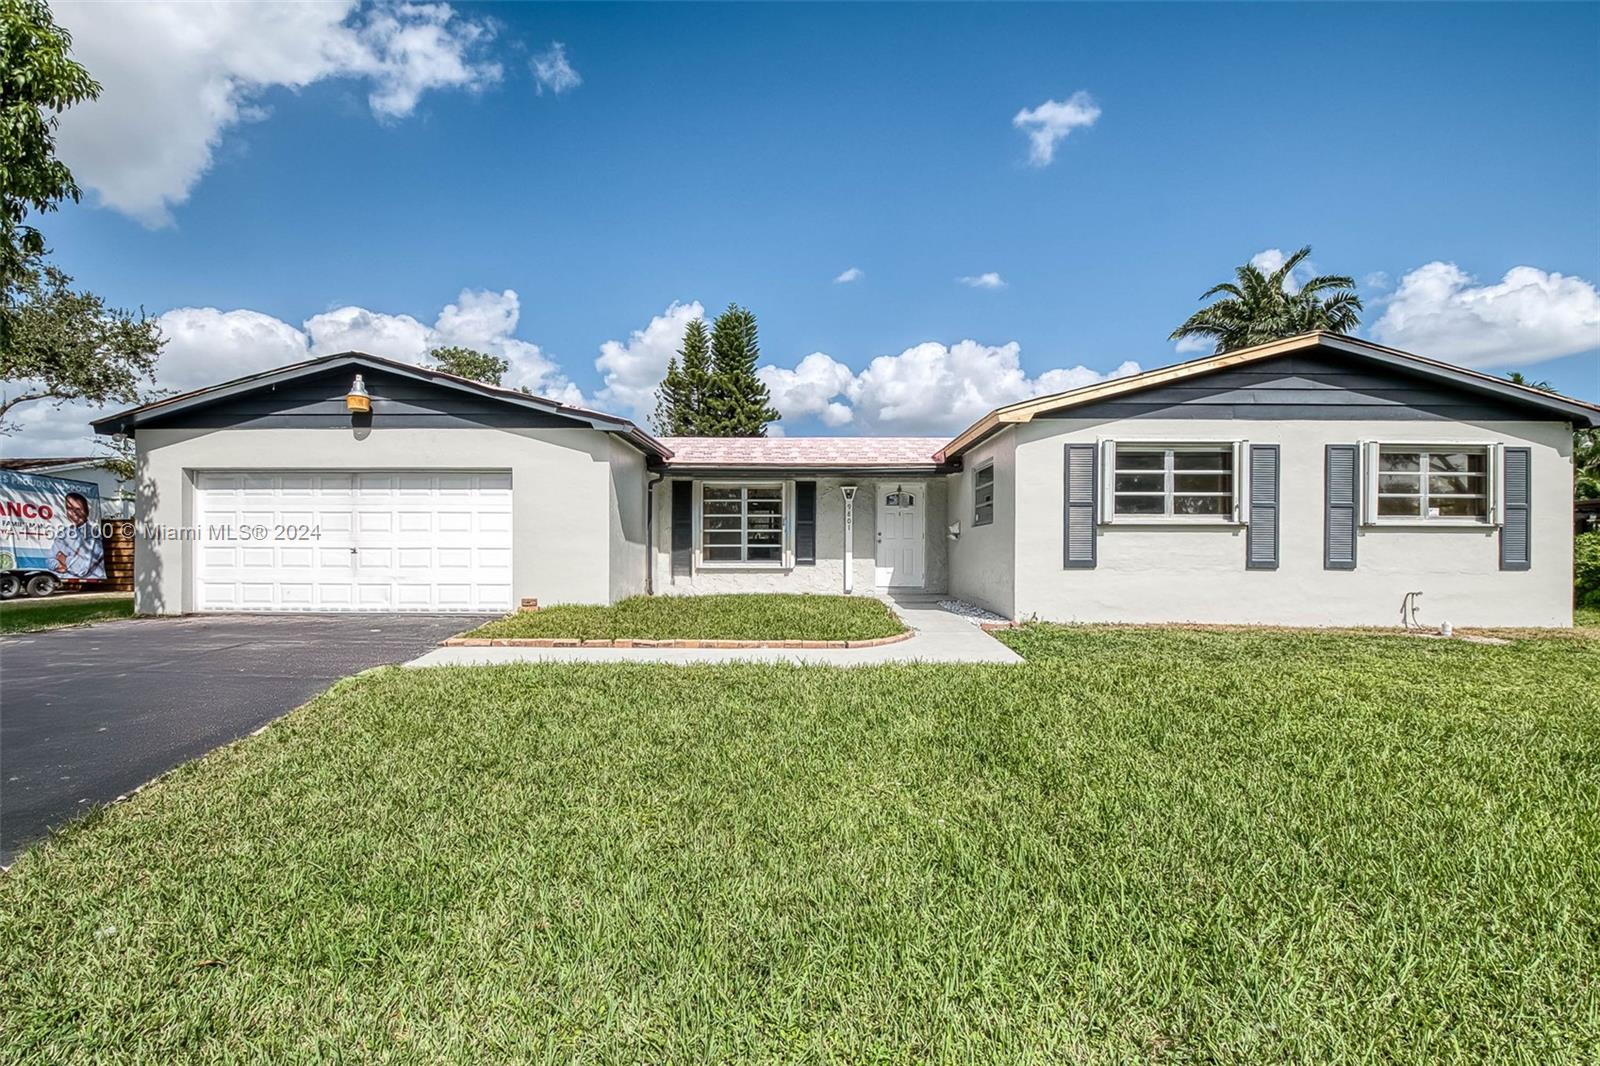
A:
1516, 494
1342, 507
682, 528
1261, 535
1080, 518
805, 523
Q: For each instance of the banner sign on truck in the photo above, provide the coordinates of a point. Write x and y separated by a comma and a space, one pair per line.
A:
51, 523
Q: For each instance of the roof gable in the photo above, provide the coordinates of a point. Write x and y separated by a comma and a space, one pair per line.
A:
312, 392
1192, 376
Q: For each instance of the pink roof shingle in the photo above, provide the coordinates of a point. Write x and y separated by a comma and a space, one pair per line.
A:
803, 451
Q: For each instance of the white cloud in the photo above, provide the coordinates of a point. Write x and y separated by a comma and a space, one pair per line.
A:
810, 389
177, 76
1377, 281
205, 346
991, 280
852, 274
1049, 123
928, 388
1192, 345
1270, 259
1438, 310
552, 71
631, 370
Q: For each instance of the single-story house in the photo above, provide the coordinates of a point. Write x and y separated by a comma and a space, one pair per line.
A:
116, 495
1317, 480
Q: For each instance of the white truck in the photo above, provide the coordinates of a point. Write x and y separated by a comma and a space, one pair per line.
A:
50, 532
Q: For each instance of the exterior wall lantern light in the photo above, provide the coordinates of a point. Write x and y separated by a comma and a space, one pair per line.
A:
358, 400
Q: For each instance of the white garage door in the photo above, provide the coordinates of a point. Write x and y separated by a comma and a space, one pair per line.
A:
359, 540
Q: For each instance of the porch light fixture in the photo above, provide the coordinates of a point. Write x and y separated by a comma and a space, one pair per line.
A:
358, 400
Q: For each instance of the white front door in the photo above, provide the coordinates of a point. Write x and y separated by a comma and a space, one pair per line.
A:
901, 533
353, 540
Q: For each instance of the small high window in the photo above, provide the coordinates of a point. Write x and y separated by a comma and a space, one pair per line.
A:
983, 495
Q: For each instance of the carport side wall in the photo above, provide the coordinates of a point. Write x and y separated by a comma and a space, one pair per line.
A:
560, 484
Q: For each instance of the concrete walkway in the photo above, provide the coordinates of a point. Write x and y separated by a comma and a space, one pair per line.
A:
939, 637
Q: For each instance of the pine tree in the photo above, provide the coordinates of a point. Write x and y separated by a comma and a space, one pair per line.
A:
736, 403
696, 356
670, 405
681, 394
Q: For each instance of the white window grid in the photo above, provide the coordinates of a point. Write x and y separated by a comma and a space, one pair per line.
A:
1169, 473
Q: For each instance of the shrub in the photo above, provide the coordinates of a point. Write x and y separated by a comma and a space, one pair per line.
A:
1586, 568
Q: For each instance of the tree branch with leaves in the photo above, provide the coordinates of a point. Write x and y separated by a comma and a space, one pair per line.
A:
69, 345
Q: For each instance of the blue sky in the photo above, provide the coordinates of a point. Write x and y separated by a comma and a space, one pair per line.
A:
367, 166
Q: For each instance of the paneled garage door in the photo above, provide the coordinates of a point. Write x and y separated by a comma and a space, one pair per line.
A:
358, 540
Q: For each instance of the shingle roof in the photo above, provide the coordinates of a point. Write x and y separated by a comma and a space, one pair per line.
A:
804, 452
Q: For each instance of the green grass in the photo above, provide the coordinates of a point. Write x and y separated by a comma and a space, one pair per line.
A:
53, 612
1586, 616
1151, 845
755, 616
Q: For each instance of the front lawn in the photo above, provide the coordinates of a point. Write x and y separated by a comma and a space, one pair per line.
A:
53, 612
1140, 845
755, 616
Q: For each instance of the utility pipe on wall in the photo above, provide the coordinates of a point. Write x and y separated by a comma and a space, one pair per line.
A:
650, 531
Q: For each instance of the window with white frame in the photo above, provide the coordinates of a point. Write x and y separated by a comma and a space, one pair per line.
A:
1152, 481
742, 523
1448, 482
983, 495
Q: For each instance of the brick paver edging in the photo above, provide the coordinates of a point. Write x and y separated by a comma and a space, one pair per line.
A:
627, 642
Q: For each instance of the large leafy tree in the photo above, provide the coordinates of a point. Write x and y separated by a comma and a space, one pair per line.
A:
681, 397
736, 403
470, 363
1257, 307
69, 345
38, 80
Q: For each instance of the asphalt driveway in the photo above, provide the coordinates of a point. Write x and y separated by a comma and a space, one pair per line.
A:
88, 714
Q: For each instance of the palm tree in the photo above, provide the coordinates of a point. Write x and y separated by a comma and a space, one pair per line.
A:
1259, 307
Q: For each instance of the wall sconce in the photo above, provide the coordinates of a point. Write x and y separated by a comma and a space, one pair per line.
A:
955, 530
358, 400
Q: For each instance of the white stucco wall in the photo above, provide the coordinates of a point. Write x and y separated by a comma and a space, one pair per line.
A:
1176, 574
625, 492
827, 575
983, 558
567, 518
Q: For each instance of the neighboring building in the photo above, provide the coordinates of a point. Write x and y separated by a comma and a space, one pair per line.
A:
1311, 481
116, 495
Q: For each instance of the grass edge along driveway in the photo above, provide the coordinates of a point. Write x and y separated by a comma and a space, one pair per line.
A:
1139, 845
739, 616
27, 615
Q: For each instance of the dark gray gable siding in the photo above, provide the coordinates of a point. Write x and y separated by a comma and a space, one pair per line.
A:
1309, 385
316, 401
